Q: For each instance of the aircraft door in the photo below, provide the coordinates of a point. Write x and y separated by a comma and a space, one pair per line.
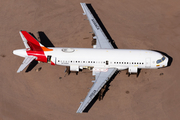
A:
107, 62
49, 59
148, 63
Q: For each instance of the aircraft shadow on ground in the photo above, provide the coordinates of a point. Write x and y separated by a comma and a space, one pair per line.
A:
44, 40
104, 93
169, 57
101, 25
31, 65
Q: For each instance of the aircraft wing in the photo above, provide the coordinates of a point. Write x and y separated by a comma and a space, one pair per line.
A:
26, 62
102, 40
100, 80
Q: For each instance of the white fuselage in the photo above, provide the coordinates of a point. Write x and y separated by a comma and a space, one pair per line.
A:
106, 58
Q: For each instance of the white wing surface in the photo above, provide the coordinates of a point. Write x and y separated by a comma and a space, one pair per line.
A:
100, 80
101, 39
25, 63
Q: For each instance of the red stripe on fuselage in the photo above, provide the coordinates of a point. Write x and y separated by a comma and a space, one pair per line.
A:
52, 63
39, 54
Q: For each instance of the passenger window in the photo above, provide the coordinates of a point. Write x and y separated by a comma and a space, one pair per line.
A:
163, 58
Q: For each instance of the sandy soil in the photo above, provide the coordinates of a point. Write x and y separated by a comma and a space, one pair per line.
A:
137, 24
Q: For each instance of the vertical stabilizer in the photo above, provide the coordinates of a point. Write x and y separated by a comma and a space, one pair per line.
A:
24, 40
30, 42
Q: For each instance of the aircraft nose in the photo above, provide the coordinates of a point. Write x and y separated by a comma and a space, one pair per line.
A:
166, 61
15, 52
20, 52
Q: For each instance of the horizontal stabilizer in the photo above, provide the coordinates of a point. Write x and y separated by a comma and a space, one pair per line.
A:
26, 62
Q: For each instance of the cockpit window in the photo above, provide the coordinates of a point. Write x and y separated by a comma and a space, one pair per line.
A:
163, 58
160, 60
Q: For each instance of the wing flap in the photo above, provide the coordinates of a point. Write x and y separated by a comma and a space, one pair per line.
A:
25, 63
101, 79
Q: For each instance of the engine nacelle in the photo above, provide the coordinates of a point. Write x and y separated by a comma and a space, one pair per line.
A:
133, 70
74, 68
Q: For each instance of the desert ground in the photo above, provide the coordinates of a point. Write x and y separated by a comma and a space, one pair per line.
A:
138, 24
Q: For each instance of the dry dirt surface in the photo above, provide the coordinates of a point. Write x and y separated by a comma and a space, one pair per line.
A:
137, 24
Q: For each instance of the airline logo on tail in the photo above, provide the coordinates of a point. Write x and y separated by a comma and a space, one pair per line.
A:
34, 50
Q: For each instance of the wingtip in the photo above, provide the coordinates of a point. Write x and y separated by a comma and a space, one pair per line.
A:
78, 112
18, 71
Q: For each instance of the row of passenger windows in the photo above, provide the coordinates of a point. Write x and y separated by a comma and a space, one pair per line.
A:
80, 61
63, 61
128, 63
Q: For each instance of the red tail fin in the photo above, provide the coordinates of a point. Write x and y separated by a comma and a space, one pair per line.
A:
33, 43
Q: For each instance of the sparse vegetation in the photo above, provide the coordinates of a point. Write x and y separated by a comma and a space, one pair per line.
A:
2, 55
127, 92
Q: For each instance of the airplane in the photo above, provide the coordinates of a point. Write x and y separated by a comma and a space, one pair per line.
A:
104, 60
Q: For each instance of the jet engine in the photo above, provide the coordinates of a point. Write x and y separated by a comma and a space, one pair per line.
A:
74, 68
132, 70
